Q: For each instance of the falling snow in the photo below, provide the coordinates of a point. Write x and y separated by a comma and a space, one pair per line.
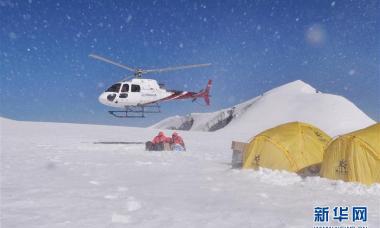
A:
252, 46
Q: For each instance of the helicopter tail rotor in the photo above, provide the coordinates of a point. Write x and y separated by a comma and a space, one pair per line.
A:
205, 93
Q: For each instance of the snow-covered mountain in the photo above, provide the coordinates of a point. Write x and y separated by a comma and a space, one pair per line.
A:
295, 101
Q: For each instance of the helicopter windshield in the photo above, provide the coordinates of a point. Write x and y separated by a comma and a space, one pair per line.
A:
125, 88
114, 88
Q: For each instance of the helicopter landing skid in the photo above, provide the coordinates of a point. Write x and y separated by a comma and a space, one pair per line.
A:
136, 111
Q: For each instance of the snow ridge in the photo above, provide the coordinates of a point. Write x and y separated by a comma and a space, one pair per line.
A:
295, 101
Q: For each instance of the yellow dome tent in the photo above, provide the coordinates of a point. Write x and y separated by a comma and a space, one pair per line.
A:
291, 146
354, 156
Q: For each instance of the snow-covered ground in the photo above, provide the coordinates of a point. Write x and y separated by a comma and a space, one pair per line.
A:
54, 175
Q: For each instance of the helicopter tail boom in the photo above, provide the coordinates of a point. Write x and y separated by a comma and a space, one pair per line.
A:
180, 95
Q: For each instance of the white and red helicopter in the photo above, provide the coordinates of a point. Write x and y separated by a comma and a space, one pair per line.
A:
137, 95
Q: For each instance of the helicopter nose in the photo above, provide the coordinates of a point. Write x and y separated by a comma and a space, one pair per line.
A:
103, 98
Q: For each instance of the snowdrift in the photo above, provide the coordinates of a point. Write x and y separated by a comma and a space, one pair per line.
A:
295, 101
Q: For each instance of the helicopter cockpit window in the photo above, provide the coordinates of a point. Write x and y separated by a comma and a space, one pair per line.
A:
114, 88
135, 88
125, 88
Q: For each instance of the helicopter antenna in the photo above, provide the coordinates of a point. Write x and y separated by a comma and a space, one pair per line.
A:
139, 72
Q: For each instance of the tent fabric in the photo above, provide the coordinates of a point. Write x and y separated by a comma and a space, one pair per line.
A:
354, 156
291, 146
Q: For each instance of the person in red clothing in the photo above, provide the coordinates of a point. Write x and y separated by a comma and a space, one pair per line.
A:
177, 143
158, 142
161, 138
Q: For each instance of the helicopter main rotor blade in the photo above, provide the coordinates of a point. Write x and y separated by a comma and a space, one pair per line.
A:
175, 68
111, 62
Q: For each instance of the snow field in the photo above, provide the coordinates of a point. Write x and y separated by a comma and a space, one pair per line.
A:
53, 175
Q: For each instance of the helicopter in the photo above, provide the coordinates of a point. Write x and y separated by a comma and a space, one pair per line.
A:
138, 96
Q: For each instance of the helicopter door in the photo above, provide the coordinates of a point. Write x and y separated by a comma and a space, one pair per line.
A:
123, 96
135, 94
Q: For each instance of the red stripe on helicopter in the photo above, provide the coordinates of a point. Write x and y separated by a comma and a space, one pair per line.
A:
179, 95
